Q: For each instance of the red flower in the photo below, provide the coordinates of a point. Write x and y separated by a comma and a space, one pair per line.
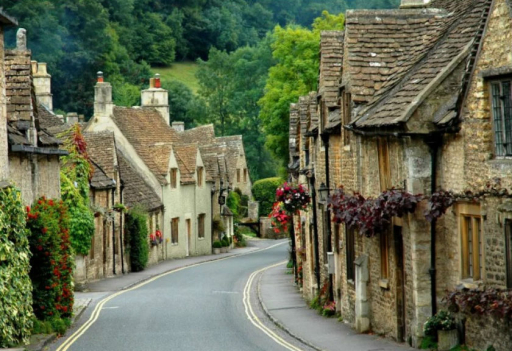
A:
40, 248
44, 230
50, 202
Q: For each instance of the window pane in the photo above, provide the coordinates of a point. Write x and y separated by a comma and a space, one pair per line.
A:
497, 116
507, 117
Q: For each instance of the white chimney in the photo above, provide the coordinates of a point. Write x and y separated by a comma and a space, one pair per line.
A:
178, 126
156, 97
42, 84
103, 105
413, 4
72, 118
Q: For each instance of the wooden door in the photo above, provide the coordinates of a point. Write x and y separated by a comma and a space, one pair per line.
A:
400, 282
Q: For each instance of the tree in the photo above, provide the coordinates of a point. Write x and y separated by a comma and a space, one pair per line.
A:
184, 106
296, 51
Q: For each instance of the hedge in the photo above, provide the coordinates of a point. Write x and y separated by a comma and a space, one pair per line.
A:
264, 191
15, 286
137, 235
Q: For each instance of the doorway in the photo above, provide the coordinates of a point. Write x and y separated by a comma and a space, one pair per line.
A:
188, 223
400, 282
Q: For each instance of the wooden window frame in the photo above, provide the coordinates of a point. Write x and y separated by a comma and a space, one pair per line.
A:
174, 178
384, 256
175, 228
350, 249
469, 214
201, 226
501, 112
384, 164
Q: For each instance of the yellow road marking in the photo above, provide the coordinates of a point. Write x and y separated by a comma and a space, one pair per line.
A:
254, 319
96, 313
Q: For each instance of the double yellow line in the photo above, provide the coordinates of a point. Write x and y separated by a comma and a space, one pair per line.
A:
252, 316
97, 310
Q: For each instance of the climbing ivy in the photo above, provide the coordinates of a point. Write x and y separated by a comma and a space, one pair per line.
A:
75, 173
137, 235
15, 285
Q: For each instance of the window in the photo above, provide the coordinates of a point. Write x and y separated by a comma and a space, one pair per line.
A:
384, 169
174, 230
238, 175
501, 92
174, 178
200, 176
200, 224
384, 256
350, 247
471, 242
346, 101
245, 175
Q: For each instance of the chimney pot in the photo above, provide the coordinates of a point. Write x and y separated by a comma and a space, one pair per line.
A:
100, 77
158, 85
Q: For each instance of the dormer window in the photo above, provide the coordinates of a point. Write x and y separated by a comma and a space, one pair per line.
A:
501, 96
200, 176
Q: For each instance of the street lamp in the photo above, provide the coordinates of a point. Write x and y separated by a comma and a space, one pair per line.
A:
323, 192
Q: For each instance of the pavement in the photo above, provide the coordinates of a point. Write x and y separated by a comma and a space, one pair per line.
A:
284, 305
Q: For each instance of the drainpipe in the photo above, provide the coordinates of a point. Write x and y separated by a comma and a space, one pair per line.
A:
121, 229
325, 139
315, 233
113, 236
433, 142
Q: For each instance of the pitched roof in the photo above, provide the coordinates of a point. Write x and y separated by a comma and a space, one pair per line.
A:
150, 135
201, 135
186, 155
313, 112
432, 44
7, 20
136, 191
99, 179
214, 159
101, 148
331, 64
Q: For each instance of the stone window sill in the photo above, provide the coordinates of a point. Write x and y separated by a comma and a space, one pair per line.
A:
200, 239
174, 244
346, 148
501, 161
351, 282
384, 284
470, 283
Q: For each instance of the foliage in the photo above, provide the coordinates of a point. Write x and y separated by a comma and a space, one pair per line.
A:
438, 203
15, 285
224, 242
239, 238
329, 309
280, 218
184, 105
295, 49
52, 259
429, 343
234, 204
264, 191
443, 320
321, 299
217, 244
52, 325
137, 233
489, 301
218, 224
294, 198
75, 173
371, 216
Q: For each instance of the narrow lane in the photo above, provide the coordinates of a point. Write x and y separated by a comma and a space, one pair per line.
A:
198, 308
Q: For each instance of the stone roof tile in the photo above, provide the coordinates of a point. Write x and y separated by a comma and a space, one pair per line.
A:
101, 148
186, 155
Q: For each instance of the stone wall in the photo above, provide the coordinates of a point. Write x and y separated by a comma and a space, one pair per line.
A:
4, 164
482, 332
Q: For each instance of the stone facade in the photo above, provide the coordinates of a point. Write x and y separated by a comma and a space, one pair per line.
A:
4, 162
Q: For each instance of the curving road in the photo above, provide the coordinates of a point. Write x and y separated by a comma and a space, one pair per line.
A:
197, 308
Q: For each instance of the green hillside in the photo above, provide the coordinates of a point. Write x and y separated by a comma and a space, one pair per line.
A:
184, 72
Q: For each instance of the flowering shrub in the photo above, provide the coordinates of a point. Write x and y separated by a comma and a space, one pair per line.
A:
294, 198
52, 259
494, 302
443, 320
280, 218
371, 216
329, 309
15, 285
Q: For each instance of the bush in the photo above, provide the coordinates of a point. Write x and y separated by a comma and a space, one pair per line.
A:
137, 233
15, 286
233, 202
264, 191
441, 321
218, 224
217, 244
225, 242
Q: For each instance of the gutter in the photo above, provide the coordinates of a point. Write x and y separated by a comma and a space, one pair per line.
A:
38, 150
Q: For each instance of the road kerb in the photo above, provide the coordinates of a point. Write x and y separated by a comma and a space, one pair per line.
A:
277, 322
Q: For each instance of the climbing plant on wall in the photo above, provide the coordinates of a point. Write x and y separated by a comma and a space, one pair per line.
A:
15, 285
52, 259
75, 173
137, 235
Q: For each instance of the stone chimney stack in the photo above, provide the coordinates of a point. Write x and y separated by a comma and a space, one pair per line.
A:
42, 84
156, 97
178, 126
103, 105
72, 118
414, 4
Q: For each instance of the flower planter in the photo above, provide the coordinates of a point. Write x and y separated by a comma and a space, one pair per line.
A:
223, 249
447, 339
216, 251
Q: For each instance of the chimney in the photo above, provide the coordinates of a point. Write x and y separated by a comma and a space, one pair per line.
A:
156, 97
178, 126
42, 84
414, 4
103, 105
72, 118
81, 118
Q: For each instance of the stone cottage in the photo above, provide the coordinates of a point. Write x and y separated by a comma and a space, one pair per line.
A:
175, 172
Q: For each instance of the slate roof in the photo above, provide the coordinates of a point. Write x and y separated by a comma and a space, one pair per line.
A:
234, 148
331, 65
201, 135
101, 148
136, 191
150, 135
186, 155
100, 180
416, 51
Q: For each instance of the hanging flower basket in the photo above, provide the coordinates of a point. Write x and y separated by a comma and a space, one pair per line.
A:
152, 239
159, 236
293, 197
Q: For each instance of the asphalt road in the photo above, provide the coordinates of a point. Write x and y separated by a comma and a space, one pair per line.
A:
198, 308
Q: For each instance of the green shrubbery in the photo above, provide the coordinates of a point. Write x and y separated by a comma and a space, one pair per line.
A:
52, 259
217, 244
264, 191
15, 285
137, 236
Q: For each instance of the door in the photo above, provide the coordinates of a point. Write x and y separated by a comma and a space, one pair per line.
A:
189, 235
400, 282
105, 246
